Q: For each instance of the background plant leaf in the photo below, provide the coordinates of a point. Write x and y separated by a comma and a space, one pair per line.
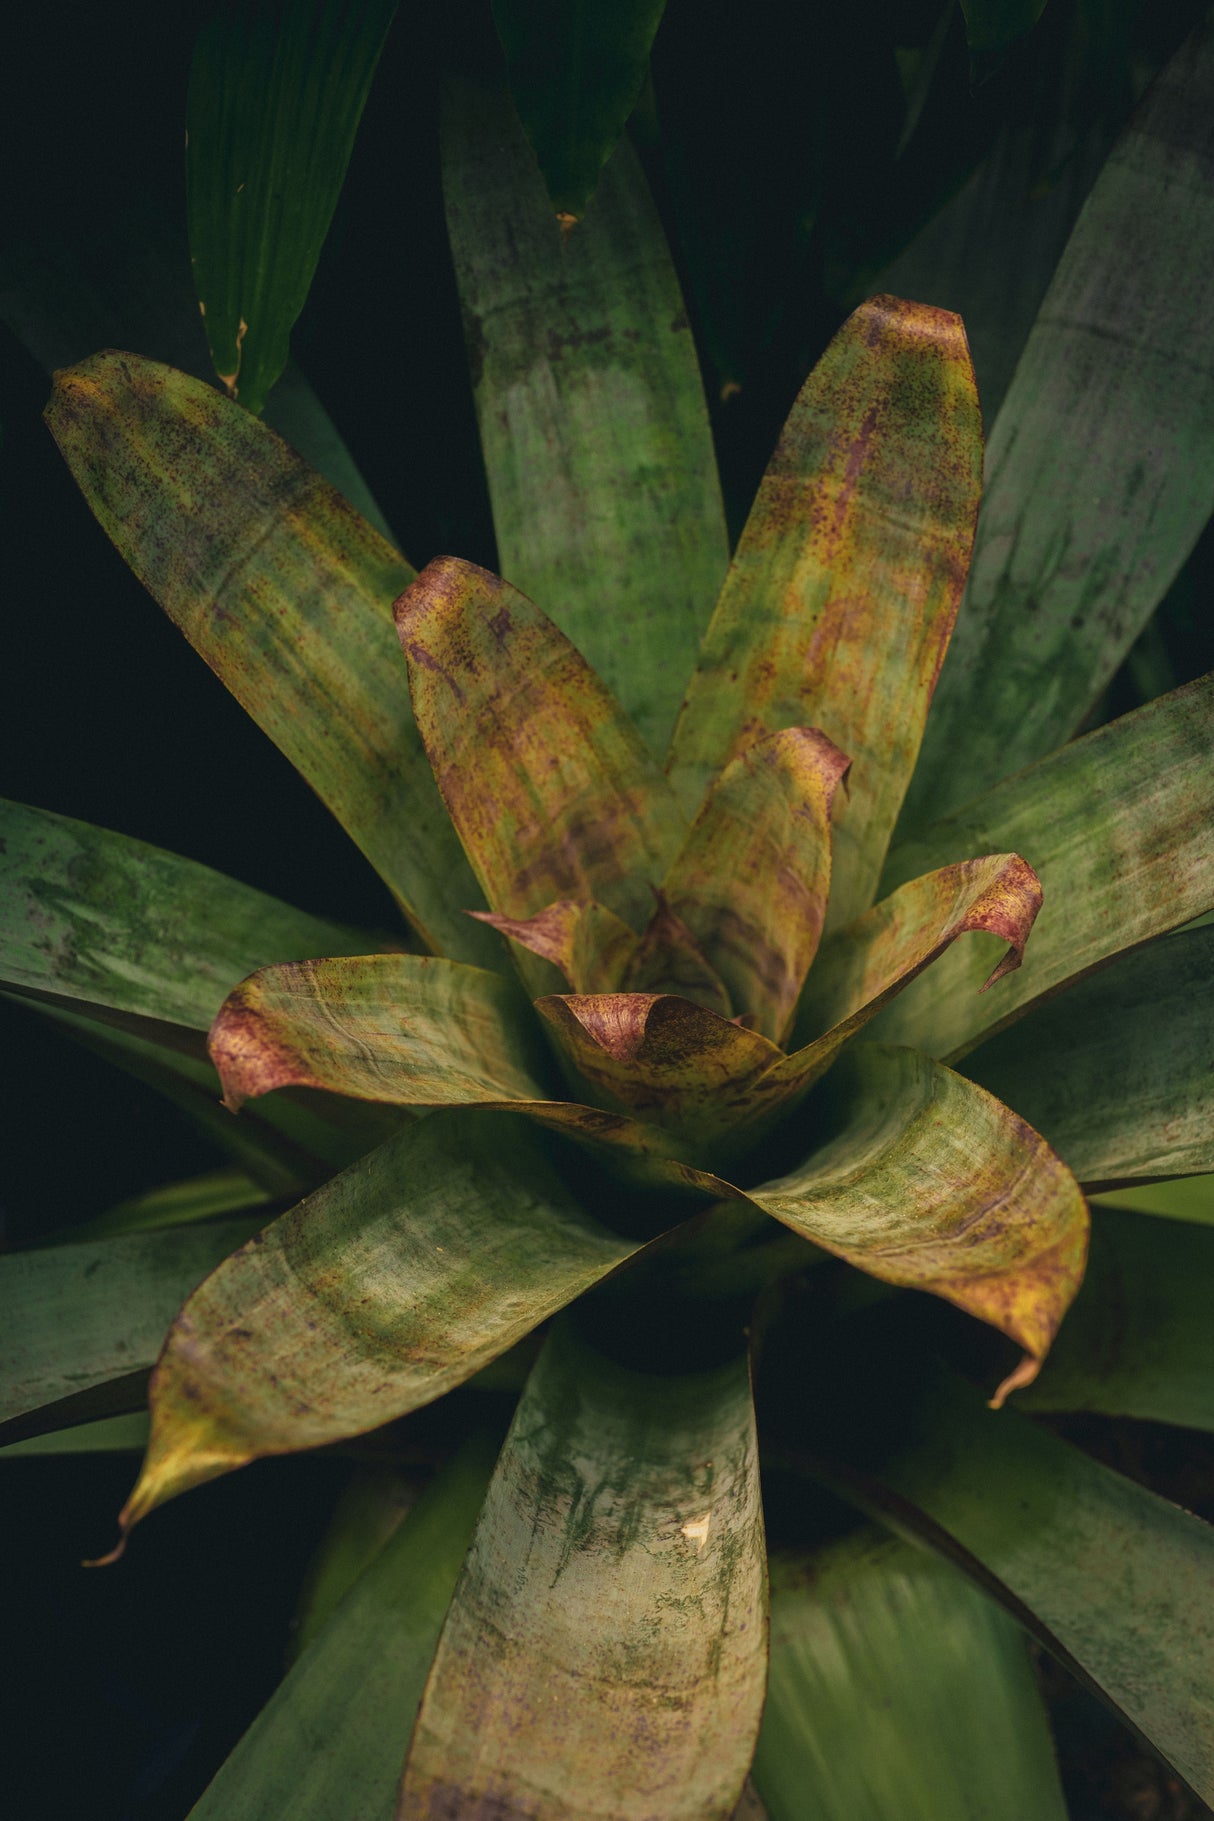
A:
992, 25
277, 88
898, 1689
1115, 1072
1189, 1199
576, 73
605, 1648
606, 502
1100, 470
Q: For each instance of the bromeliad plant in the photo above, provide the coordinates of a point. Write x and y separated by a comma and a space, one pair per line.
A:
681, 1035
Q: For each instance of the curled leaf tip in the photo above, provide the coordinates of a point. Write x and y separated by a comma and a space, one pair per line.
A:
1016, 1380
566, 222
111, 1556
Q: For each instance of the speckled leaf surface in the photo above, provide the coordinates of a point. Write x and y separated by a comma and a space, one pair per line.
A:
1116, 1071
390, 1285
751, 880
602, 476
411, 1029
576, 72
1100, 472
1117, 825
287, 593
99, 923
919, 1178
841, 597
328, 1744
275, 96
79, 1315
544, 777
605, 1651
896, 1689
1139, 1341
1116, 1581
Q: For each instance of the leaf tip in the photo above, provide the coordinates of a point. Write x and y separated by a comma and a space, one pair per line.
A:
1016, 1380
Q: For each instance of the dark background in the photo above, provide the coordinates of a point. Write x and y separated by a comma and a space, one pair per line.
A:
773, 141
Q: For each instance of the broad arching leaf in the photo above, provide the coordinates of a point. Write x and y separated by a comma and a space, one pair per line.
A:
604, 486
605, 1652
277, 89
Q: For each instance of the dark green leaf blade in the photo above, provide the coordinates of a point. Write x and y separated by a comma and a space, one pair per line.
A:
275, 97
606, 501
576, 72
287, 595
1118, 827
1116, 1582
79, 1315
390, 1285
605, 1650
1191, 1199
896, 1689
992, 25
1116, 1072
330, 1740
1100, 471
1139, 1341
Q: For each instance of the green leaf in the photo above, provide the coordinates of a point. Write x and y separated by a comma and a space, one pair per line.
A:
175, 1204
277, 89
79, 1315
551, 791
896, 1689
1118, 827
1100, 472
576, 73
127, 1434
390, 1285
329, 1742
1116, 1071
1117, 1583
96, 922
1187, 1200
287, 594
839, 603
1139, 1340
372, 1507
121, 279
920, 1178
605, 1650
604, 486
993, 25
752, 878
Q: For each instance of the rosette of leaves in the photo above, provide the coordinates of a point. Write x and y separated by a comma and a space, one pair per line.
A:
663, 1069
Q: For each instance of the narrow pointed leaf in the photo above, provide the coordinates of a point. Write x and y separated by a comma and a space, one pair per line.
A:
604, 486
865, 967
897, 1689
176, 1204
329, 1741
1118, 827
1191, 1199
752, 879
839, 603
1139, 1340
666, 1059
126, 1434
121, 279
605, 1651
275, 97
1116, 1072
412, 1029
1116, 1582
1100, 473
549, 787
79, 1315
286, 593
576, 73
925, 1180
99, 923
390, 1285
